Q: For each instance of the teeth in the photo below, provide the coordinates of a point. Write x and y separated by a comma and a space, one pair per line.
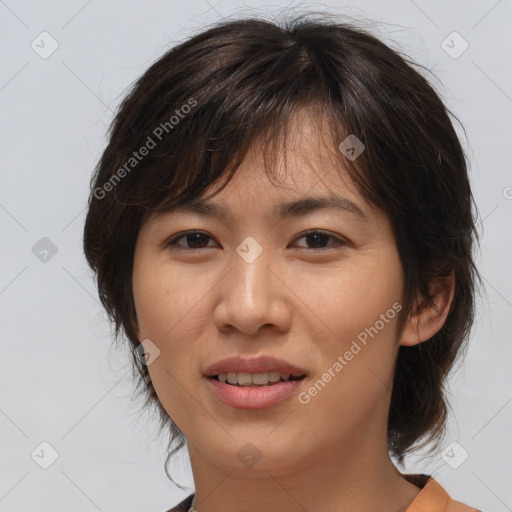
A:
274, 376
250, 379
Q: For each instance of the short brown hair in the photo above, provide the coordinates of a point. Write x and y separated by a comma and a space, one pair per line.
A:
199, 108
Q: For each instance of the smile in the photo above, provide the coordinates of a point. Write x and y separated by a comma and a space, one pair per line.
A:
253, 396
247, 379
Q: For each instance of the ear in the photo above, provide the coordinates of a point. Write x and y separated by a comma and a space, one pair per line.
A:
425, 320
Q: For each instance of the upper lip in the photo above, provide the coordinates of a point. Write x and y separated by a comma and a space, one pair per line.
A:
253, 365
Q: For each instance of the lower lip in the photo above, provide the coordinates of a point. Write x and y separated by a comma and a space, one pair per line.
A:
253, 398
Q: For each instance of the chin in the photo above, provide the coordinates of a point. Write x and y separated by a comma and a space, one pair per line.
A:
261, 456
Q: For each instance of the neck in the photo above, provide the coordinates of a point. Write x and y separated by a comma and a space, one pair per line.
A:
347, 479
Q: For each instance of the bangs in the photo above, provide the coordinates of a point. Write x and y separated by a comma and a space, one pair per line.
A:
202, 152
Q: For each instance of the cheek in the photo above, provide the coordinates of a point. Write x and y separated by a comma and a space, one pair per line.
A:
159, 310
359, 305
351, 298
169, 311
164, 297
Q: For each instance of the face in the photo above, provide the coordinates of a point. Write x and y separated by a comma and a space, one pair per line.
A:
318, 288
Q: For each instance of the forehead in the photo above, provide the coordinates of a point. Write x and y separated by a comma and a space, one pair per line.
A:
305, 173
308, 162
304, 186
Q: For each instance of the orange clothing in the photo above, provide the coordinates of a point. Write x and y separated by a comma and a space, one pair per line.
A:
432, 498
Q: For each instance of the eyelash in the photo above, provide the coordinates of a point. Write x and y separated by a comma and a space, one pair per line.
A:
339, 242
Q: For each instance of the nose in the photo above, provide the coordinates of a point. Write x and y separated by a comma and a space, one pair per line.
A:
252, 296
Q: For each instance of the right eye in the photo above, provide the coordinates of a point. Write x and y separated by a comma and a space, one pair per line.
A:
195, 240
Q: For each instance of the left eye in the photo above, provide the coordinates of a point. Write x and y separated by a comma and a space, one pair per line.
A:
198, 239
319, 238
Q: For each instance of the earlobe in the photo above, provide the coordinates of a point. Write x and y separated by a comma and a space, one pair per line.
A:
427, 319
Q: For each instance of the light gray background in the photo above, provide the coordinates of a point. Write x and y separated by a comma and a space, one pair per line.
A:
60, 381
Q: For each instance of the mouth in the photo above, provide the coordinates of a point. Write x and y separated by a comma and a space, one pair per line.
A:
262, 370
253, 383
255, 380
240, 393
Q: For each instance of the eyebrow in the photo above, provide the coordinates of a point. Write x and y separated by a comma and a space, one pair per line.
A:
289, 209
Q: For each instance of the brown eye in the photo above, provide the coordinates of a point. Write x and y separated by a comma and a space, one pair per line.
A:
193, 240
319, 239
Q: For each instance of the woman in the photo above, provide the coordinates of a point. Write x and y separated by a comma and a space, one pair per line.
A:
282, 226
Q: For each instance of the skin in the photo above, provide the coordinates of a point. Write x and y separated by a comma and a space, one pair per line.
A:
202, 302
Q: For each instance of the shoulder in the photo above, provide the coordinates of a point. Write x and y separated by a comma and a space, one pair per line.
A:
183, 506
434, 498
